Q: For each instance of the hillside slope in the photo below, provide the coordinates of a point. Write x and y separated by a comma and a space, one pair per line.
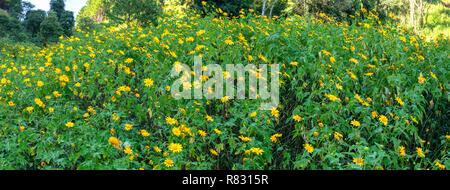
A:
361, 96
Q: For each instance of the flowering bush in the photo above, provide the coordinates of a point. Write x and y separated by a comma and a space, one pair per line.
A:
358, 95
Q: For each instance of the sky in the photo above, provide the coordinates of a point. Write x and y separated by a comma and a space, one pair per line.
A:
71, 5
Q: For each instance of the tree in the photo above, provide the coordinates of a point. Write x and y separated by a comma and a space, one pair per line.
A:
26, 6
94, 9
126, 11
270, 7
50, 28
11, 28
230, 6
336, 8
412, 13
85, 23
13, 7
67, 21
33, 21
57, 6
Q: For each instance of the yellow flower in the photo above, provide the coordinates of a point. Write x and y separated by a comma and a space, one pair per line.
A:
338, 136
128, 127
229, 42
374, 115
214, 152
399, 100
358, 161
433, 75
263, 58
421, 79
157, 149
29, 109
274, 137
353, 61
402, 151
253, 114
355, 123
332, 59
414, 119
203, 2
275, 112
383, 119
168, 162
51, 110
420, 152
64, 78
442, 166
171, 121
200, 32
176, 131
113, 141
257, 151
39, 102
148, 82
309, 148
294, 63
40, 83
114, 117
326, 52
245, 139
56, 94
353, 76
69, 124
297, 118
202, 133
145, 133
128, 150
10, 103
217, 131
129, 60
175, 147
333, 98
209, 118
225, 99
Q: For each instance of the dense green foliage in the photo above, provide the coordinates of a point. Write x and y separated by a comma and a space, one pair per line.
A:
230, 6
425, 10
11, 28
50, 28
19, 23
126, 11
33, 22
94, 9
67, 21
57, 6
354, 95
85, 23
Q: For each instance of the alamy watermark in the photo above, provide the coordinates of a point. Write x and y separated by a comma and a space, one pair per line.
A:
211, 82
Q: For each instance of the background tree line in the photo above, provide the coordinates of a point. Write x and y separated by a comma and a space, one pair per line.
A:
411, 12
19, 23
